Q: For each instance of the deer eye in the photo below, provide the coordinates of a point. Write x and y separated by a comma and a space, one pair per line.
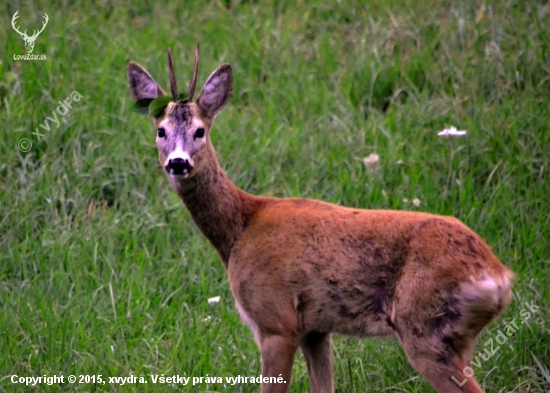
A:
161, 132
199, 133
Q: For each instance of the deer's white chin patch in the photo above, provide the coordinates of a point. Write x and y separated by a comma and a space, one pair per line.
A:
178, 177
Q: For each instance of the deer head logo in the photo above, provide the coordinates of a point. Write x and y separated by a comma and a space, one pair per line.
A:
29, 40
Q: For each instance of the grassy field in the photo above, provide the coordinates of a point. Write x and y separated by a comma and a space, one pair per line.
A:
102, 271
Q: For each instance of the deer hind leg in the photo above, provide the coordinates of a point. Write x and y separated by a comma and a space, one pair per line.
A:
277, 359
438, 328
317, 349
445, 375
439, 341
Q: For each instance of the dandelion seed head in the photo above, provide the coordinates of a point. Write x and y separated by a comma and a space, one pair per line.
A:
452, 131
214, 300
371, 160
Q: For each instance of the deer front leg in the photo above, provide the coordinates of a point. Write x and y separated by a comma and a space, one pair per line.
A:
317, 349
277, 359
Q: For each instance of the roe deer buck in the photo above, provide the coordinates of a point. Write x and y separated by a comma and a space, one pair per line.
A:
301, 269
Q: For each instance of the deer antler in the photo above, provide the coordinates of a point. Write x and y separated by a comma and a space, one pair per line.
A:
43, 26
173, 83
15, 16
193, 82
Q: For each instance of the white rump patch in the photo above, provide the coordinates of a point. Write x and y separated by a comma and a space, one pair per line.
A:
488, 283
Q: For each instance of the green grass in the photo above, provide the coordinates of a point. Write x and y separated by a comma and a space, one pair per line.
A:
101, 268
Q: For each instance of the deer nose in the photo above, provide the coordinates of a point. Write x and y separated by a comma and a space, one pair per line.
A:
179, 166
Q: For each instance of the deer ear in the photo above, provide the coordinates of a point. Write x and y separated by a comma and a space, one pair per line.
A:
217, 90
142, 84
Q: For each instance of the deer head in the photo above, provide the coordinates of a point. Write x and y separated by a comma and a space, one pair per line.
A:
29, 40
183, 126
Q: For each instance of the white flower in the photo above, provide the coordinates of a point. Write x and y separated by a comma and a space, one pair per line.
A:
371, 160
452, 132
214, 300
416, 202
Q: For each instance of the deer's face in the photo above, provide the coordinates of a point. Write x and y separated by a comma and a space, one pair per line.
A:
182, 128
181, 135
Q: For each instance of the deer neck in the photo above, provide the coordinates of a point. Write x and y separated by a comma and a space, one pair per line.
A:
219, 209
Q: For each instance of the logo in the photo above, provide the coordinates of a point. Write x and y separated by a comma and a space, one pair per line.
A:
29, 40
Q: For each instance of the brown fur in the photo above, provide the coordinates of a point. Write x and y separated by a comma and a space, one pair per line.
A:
302, 269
